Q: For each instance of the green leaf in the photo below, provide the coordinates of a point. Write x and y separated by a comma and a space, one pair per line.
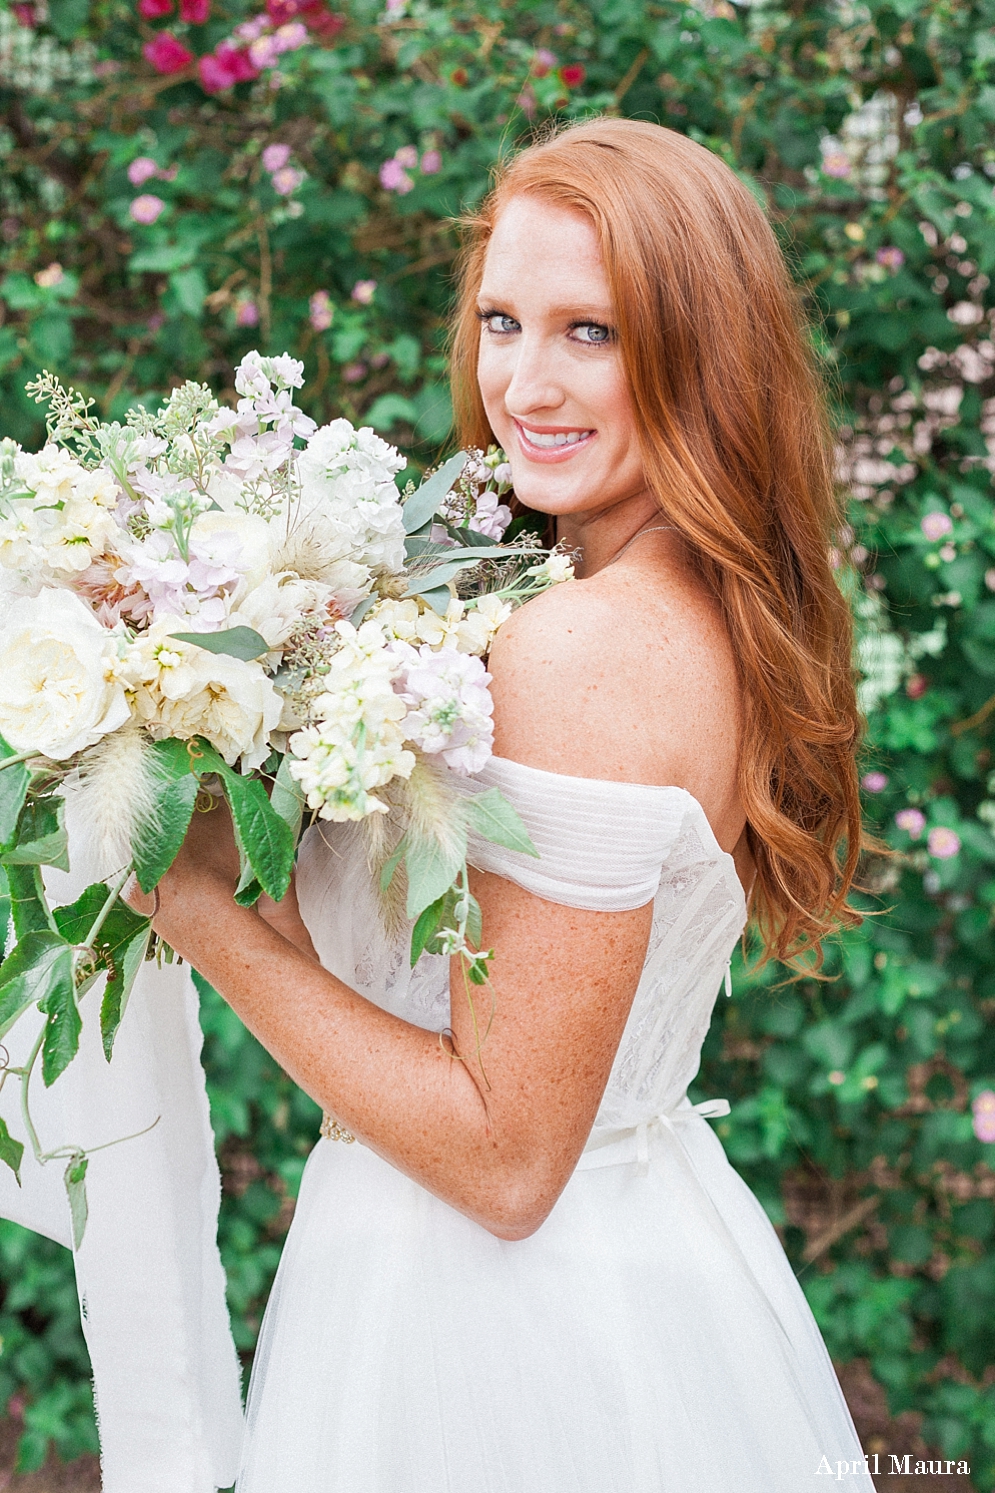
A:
14, 782
439, 575
11, 1151
75, 1181
75, 920
493, 817
40, 964
474, 922
438, 599
41, 838
127, 961
64, 1023
426, 927
287, 797
432, 868
238, 642
164, 258
267, 840
422, 504
28, 905
157, 840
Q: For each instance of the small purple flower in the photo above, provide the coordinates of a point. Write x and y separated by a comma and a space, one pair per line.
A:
836, 163
936, 525
263, 52
983, 1111
363, 291
286, 180
891, 257
407, 156
275, 157
146, 208
431, 162
246, 313
913, 821
141, 170
321, 311
394, 178
290, 37
544, 62
942, 843
874, 782
352, 373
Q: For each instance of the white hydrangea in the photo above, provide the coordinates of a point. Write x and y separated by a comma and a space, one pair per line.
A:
449, 704
347, 481
356, 743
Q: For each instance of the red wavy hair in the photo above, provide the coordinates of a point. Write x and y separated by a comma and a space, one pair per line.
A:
737, 449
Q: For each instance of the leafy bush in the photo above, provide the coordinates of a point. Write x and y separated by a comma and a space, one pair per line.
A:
867, 131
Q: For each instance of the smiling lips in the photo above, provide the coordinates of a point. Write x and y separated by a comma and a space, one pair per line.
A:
551, 444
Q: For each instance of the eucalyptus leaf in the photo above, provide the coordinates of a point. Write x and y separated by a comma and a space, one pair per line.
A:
493, 818
438, 599
439, 575
75, 1183
421, 505
361, 608
41, 838
11, 1151
237, 642
40, 963
156, 841
432, 868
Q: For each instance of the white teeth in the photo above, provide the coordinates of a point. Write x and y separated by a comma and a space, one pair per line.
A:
561, 438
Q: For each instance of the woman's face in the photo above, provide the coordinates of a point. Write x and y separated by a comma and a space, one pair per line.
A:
549, 366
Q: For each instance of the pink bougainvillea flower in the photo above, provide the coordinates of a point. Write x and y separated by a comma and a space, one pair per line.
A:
224, 67
406, 156
936, 525
913, 821
363, 291
394, 178
983, 1111
353, 372
251, 30
287, 180
431, 162
314, 13
146, 208
166, 54
246, 313
263, 52
153, 10
891, 257
942, 843
836, 163
321, 311
25, 15
195, 12
874, 782
275, 157
141, 169
916, 686
573, 75
544, 62
291, 36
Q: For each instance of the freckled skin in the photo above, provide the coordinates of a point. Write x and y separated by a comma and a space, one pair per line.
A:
625, 673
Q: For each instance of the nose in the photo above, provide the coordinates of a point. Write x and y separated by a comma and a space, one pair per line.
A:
532, 389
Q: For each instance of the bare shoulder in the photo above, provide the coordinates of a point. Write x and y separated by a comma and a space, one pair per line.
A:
628, 675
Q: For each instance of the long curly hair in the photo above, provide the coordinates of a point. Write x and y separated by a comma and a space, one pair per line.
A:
737, 449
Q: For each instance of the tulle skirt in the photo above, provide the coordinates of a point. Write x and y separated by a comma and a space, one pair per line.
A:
649, 1338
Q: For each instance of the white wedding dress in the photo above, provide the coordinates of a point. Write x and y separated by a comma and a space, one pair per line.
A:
650, 1337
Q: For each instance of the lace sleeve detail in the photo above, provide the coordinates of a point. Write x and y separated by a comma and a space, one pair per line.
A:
602, 845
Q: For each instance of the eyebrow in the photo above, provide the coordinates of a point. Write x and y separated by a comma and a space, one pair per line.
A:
575, 311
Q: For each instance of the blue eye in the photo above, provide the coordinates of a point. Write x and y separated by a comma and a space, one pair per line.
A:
497, 322
592, 333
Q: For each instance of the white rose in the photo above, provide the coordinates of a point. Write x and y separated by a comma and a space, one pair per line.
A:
273, 607
186, 691
60, 684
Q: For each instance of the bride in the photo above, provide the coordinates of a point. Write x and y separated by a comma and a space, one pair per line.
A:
536, 1272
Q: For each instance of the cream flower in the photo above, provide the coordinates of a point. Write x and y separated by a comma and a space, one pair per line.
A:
60, 676
83, 533
183, 690
273, 607
254, 535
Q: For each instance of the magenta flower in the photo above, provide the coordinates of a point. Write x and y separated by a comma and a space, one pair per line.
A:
407, 156
913, 821
431, 162
891, 257
916, 686
321, 311
275, 157
263, 52
246, 313
363, 291
935, 525
544, 62
983, 1111
251, 30
195, 12
166, 54
154, 10
573, 75
353, 372
286, 180
224, 67
874, 782
289, 37
141, 169
146, 208
394, 178
942, 843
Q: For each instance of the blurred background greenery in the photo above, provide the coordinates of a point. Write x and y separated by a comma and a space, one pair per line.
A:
182, 184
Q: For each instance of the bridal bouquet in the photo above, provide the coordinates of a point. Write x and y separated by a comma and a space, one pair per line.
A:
208, 601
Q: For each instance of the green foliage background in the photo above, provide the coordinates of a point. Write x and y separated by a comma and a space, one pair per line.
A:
852, 1099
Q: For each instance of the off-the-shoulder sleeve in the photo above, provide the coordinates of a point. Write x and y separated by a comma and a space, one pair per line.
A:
602, 845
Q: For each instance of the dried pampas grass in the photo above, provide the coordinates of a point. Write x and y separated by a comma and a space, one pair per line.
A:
116, 793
